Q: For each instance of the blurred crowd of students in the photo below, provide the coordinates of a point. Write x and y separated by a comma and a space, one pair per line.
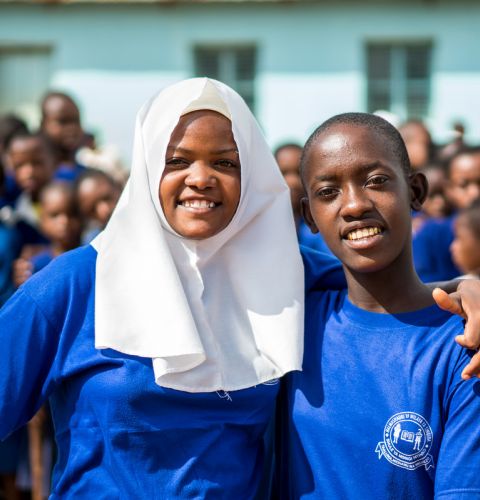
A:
57, 191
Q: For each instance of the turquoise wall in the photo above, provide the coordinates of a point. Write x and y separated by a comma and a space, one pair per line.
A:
311, 60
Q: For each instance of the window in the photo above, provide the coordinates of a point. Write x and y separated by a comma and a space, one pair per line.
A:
399, 78
233, 65
24, 78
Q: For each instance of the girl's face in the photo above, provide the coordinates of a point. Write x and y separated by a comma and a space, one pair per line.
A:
465, 247
201, 184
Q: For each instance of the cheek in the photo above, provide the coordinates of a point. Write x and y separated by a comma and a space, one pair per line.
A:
232, 187
166, 190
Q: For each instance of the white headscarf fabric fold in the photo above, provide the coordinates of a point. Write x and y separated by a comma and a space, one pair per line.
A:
224, 313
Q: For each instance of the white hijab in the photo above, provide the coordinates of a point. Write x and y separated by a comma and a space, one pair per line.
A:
224, 313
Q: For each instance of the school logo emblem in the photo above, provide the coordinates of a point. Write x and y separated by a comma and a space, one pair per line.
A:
407, 441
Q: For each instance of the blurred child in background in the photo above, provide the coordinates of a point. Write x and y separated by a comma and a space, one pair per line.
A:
464, 178
62, 128
32, 166
96, 195
288, 157
10, 126
466, 245
436, 204
59, 222
418, 142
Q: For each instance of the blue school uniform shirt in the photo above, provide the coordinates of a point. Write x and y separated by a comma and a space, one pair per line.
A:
68, 173
120, 435
41, 260
9, 249
431, 250
380, 410
308, 239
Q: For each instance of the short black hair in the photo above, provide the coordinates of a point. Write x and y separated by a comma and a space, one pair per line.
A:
376, 123
286, 145
10, 126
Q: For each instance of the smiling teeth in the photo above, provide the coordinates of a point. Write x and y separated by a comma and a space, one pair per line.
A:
366, 232
198, 204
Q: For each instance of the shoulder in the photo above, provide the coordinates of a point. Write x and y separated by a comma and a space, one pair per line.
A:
69, 275
436, 228
319, 305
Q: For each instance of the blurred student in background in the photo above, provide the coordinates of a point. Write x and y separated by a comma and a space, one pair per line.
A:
10, 126
436, 204
62, 129
418, 142
32, 165
465, 247
288, 156
96, 195
60, 223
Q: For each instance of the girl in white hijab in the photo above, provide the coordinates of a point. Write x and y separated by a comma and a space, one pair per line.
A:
160, 345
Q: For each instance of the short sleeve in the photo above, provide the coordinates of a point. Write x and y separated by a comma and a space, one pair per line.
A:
322, 271
457, 476
28, 346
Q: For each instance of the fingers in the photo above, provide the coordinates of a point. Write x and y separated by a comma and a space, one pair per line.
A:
449, 302
473, 368
22, 270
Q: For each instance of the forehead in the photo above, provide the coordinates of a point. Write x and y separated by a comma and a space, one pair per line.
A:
60, 106
26, 145
465, 164
203, 124
56, 197
350, 145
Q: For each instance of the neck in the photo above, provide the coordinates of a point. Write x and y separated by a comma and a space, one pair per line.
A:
394, 289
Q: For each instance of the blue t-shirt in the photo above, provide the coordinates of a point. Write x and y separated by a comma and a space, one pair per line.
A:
9, 248
119, 434
315, 241
431, 250
68, 173
380, 410
41, 260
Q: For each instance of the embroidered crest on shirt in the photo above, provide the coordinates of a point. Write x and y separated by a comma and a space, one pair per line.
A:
407, 441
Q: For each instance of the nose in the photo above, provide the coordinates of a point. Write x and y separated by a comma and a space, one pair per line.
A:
103, 211
473, 191
200, 175
355, 202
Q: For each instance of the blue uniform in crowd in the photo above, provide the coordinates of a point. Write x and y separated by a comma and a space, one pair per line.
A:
380, 410
431, 250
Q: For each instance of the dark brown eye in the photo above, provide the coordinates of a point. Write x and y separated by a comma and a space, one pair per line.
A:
376, 180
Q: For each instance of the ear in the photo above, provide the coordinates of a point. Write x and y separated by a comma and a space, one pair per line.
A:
307, 215
418, 189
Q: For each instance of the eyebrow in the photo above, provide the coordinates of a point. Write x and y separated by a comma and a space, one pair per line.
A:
367, 168
217, 152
